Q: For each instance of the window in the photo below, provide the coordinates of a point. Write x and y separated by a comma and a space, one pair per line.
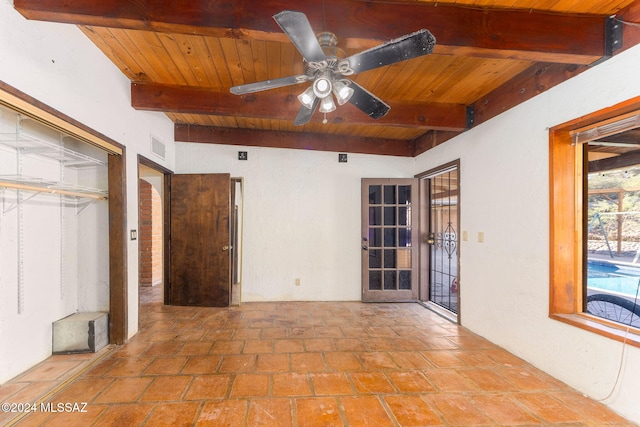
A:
594, 162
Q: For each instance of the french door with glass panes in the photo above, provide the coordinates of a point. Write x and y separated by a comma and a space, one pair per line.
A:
389, 239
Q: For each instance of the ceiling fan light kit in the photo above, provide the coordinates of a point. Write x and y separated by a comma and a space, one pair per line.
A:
307, 97
322, 85
326, 67
342, 91
327, 105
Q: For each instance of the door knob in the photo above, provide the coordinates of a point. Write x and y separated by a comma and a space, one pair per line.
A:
225, 248
431, 239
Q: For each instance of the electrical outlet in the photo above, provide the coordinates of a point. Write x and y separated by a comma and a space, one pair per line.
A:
297, 281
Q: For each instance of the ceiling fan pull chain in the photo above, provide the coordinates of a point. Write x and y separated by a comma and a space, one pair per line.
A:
325, 119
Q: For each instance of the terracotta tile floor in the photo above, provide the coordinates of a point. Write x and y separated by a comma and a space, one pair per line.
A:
301, 364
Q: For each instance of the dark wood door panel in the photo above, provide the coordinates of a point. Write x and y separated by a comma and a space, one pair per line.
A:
200, 268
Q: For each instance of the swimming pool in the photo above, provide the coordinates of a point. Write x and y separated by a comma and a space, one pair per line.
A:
613, 278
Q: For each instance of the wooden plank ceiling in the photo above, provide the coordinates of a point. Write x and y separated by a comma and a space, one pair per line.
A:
182, 58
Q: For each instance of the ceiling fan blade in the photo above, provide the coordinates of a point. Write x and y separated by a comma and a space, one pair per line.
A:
304, 115
403, 48
269, 84
297, 27
370, 104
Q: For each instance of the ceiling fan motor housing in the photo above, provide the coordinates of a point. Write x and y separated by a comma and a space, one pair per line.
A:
329, 44
324, 73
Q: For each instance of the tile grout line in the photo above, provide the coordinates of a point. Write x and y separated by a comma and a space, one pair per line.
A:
64, 384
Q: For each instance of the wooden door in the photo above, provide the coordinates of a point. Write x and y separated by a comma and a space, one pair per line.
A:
199, 240
390, 239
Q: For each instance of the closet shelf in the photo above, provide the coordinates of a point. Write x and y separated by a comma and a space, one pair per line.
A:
28, 145
21, 182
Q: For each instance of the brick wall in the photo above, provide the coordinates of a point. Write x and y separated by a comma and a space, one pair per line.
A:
150, 235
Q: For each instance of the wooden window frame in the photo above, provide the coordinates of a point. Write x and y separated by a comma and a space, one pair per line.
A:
566, 226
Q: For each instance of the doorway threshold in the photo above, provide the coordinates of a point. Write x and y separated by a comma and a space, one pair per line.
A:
442, 312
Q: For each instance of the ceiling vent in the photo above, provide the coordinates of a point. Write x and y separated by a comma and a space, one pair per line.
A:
157, 147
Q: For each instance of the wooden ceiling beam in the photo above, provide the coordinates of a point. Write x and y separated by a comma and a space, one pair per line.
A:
628, 18
432, 139
524, 86
499, 33
293, 140
621, 161
531, 82
189, 100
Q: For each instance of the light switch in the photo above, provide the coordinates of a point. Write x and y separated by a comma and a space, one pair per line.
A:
134, 234
465, 235
480, 236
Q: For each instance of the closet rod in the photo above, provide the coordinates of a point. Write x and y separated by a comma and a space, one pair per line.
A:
51, 190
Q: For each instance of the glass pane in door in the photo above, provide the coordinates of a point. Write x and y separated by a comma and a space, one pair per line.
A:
443, 240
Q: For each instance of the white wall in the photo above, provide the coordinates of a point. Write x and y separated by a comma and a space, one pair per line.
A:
301, 216
59, 66
504, 284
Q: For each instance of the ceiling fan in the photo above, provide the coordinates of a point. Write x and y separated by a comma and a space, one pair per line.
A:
327, 70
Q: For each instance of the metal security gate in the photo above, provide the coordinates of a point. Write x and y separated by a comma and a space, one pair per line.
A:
440, 233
